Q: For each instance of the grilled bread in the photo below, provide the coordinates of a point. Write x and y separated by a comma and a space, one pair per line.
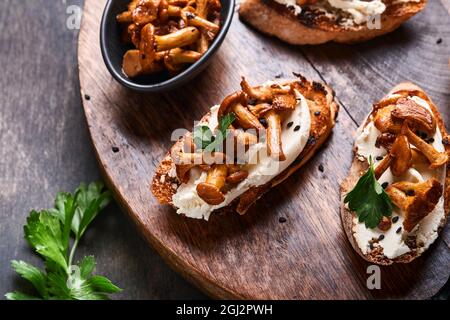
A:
406, 137
318, 21
295, 117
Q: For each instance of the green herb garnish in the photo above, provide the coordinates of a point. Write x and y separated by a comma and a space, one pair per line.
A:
49, 232
369, 200
205, 140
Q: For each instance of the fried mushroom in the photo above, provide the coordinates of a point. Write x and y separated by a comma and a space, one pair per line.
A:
210, 190
416, 200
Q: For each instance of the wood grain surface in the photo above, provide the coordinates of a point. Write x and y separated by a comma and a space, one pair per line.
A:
45, 148
257, 256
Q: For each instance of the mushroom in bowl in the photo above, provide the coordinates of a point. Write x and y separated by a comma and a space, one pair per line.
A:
155, 45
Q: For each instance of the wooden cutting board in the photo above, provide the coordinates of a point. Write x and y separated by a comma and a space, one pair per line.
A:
256, 256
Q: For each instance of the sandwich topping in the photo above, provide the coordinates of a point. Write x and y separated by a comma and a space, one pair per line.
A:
254, 135
403, 140
345, 12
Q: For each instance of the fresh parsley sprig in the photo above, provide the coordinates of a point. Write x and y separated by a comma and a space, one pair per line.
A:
205, 140
369, 200
50, 233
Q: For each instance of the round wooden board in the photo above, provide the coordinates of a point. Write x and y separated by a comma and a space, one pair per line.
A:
253, 256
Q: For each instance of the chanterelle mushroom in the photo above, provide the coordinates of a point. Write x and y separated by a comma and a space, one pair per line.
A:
436, 158
210, 190
262, 94
416, 200
418, 117
273, 135
237, 103
401, 156
384, 122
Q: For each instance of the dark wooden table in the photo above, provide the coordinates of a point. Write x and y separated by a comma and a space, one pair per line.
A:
45, 148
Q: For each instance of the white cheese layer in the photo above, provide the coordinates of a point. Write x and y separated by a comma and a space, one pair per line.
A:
261, 171
360, 11
426, 232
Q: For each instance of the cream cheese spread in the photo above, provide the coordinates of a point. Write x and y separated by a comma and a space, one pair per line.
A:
261, 169
426, 231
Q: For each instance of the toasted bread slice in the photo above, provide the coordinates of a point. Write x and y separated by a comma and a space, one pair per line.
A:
314, 27
358, 167
323, 110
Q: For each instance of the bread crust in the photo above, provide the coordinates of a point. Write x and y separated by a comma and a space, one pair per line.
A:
277, 20
320, 98
376, 255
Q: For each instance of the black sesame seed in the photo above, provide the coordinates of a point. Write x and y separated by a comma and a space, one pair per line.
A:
263, 122
395, 219
410, 193
399, 230
278, 76
371, 246
379, 158
385, 185
422, 134
297, 128
290, 124
317, 113
282, 220
115, 149
431, 140
87, 97
439, 41
321, 168
381, 237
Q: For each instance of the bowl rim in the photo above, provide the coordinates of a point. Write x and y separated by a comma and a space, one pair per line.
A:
170, 83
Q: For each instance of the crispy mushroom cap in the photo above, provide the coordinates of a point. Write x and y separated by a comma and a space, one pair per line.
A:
229, 101
237, 177
237, 103
385, 140
418, 117
210, 190
284, 102
145, 11
416, 200
401, 156
263, 93
384, 122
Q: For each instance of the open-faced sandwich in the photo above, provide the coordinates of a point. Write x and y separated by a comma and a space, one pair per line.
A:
252, 141
396, 197
320, 21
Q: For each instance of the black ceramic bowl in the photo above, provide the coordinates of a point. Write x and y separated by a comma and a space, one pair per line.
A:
113, 50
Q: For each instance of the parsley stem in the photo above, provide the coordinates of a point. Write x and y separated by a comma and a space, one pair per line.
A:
72, 251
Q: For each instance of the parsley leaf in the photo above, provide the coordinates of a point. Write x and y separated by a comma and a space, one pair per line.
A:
49, 232
34, 275
204, 139
369, 200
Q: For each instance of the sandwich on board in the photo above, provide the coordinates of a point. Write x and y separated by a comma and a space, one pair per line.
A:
255, 139
395, 199
319, 21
